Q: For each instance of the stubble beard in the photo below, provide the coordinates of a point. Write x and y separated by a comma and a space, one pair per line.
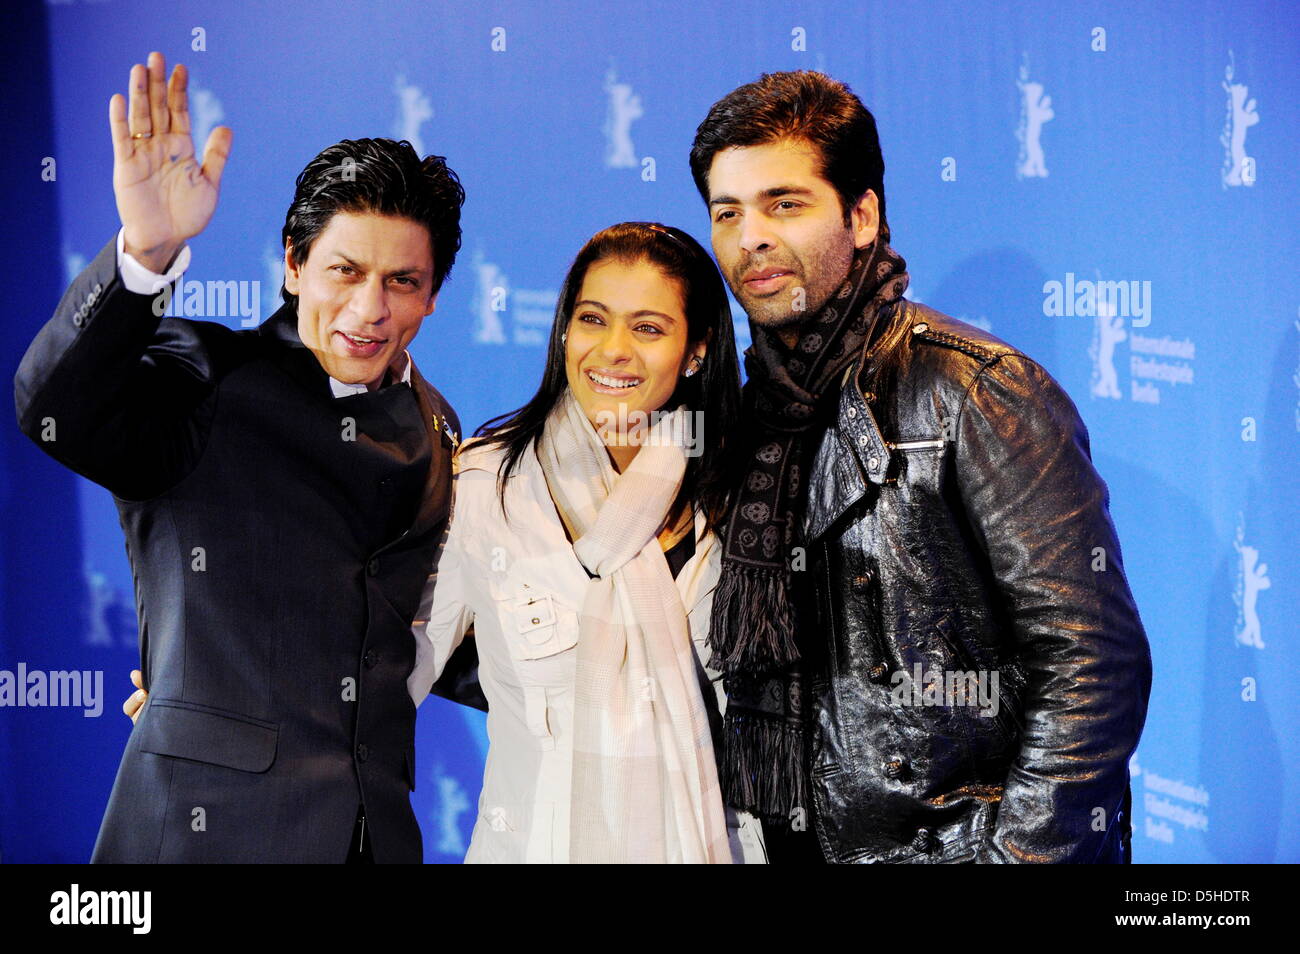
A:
822, 268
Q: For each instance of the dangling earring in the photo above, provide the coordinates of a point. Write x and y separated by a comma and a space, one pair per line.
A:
696, 363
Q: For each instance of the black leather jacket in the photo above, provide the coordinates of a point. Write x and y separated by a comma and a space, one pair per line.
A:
955, 522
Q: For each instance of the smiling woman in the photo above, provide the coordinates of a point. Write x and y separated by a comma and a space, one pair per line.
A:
641, 302
582, 557
627, 347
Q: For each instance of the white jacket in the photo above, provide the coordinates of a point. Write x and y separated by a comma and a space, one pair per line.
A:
520, 586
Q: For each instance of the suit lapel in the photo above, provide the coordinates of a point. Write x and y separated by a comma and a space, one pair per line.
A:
280, 331
434, 503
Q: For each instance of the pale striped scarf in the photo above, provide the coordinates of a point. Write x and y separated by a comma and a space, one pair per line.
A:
645, 783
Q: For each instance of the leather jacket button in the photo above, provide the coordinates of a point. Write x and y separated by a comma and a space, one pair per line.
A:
894, 768
924, 840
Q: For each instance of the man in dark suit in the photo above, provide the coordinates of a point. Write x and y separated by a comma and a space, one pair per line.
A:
283, 491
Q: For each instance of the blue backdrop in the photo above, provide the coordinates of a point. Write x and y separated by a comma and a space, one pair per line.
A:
1033, 152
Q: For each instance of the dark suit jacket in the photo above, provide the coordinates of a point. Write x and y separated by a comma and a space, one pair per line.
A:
279, 539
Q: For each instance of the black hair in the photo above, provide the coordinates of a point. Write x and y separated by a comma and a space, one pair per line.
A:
381, 176
714, 390
803, 105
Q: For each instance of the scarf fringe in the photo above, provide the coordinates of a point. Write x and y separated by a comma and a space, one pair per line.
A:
752, 622
762, 770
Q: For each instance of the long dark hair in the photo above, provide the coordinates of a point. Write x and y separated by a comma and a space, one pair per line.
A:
714, 390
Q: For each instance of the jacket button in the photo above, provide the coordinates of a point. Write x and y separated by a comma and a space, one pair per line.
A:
924, 840
78, 319
373, 566
861, 583
878, 672
363, 751
873, 463
371, 659
853, 412
894, 768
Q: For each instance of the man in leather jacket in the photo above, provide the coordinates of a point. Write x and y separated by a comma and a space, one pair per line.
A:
951, 531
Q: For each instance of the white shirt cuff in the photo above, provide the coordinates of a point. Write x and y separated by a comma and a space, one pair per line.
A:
141, 280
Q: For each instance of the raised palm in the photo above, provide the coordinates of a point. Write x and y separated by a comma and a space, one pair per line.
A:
164, 196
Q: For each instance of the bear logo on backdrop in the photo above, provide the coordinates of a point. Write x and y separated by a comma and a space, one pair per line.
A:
1252, 578
1108, 331
413, 110
624, 109
1238, 167
1035, 110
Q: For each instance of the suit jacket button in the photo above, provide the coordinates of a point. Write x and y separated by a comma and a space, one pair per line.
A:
373, 566
371, 659
363, 751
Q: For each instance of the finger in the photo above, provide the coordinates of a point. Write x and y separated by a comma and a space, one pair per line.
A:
137, 678
138, 112
215, 154
133, 702
178, 100
118, 127
158, 94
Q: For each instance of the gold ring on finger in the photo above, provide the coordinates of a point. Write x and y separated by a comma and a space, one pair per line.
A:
147, 135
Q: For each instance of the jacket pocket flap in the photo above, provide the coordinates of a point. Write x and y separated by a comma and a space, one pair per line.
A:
536, 624
184, 730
